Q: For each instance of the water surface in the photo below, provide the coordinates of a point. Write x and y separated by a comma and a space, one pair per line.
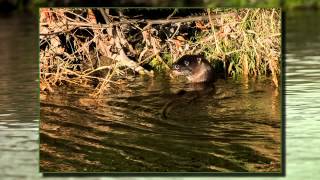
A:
302, 90
231, 127
19, 107
18, 99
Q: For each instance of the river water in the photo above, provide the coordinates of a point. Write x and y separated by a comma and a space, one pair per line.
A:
235, 126
128, 126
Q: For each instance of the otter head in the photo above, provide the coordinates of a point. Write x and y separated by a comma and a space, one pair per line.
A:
194, 67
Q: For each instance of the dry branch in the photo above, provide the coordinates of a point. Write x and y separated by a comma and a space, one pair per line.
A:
147, 21
249, 36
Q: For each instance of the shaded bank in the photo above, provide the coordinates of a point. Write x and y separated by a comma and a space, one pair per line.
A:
245, 41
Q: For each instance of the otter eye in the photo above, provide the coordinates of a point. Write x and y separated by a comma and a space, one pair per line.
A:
176, 66
186, 63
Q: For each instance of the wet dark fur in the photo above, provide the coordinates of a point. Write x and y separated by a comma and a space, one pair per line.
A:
184, 97
195, 68
198, 71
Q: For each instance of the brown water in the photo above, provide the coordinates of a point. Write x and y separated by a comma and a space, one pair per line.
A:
233, 128
19, 111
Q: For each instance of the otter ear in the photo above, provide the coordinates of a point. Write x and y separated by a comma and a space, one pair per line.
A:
199, 60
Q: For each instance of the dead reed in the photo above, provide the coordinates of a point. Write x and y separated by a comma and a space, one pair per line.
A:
96, 47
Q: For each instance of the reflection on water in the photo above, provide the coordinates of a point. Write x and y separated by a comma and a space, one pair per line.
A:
18, 97
18, 102
303, 95
236, 128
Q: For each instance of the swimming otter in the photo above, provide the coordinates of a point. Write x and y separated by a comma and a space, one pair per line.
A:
195, 68
199, 73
